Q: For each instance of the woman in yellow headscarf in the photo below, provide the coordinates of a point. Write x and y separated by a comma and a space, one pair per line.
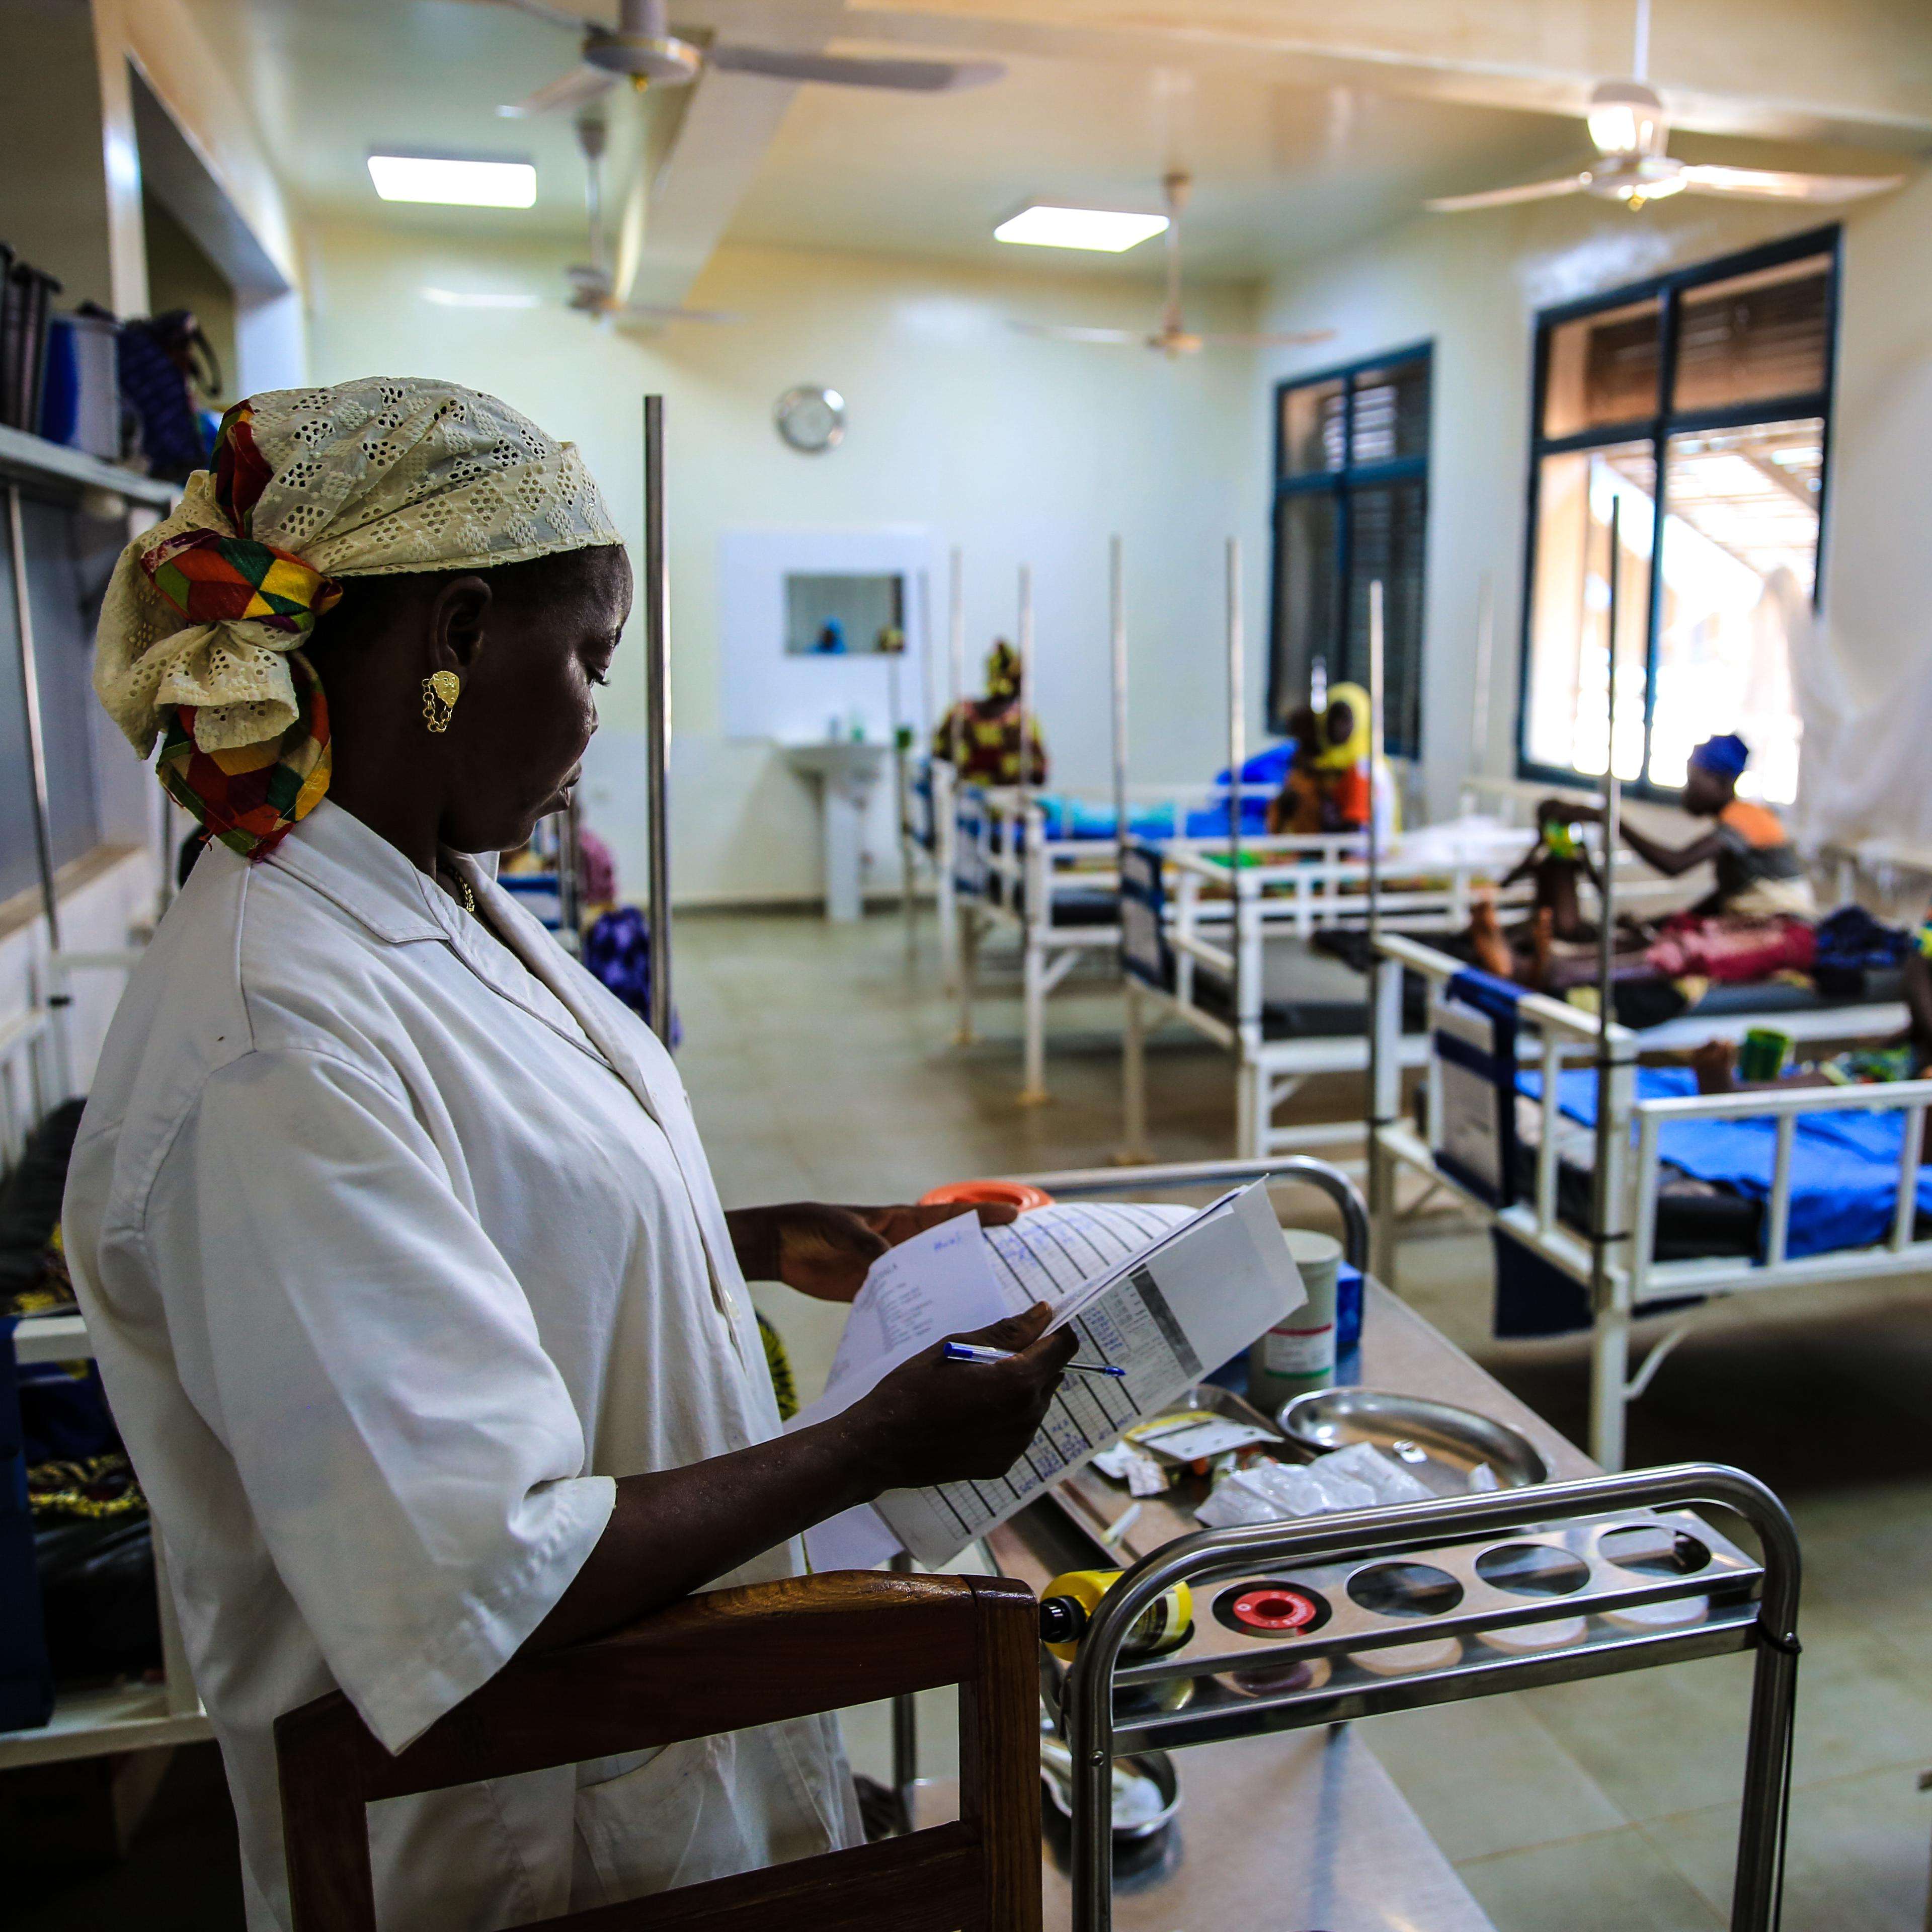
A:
987, 730
1343, 766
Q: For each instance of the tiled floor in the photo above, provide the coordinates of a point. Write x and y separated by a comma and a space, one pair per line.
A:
821, 1065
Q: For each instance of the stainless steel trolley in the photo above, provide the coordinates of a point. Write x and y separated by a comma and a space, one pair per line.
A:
1752, 1605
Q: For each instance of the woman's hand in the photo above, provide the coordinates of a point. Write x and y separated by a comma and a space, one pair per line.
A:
931, 1421
825, 1251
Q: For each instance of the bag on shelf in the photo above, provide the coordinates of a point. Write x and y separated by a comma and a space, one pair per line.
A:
160, 360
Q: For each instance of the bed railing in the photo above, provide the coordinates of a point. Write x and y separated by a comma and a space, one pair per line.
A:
1652, 1281
1637, 1283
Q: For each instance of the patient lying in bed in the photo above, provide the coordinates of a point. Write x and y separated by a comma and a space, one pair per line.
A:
1905, 1057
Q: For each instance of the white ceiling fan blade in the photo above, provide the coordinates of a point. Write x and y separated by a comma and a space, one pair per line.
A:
1776, 184
1213, 339
1508, 197
1057, 331
912, 76
568, 90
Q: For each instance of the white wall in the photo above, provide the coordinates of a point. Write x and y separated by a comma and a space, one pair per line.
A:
1473, 283
1016, 448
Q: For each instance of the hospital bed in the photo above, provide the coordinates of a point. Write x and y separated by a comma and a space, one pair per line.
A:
1043, 868
1238, 967
1702, 1197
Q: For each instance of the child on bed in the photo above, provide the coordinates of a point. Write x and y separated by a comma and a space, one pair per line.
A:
1905, 1057
1556, 860
1296, 807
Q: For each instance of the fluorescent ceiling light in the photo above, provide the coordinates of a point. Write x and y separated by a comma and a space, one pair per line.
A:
444, 178
1110, 230
482, 299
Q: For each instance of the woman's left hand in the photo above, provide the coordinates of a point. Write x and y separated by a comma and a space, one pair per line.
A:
825, 1251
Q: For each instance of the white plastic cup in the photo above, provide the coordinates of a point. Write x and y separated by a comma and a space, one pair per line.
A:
1298, 1353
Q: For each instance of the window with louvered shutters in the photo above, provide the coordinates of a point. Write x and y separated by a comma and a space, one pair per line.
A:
1351, 505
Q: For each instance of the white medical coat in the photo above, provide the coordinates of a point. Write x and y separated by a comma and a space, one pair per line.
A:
397, 1244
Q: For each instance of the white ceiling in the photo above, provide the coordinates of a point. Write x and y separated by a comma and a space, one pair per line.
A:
1304, 123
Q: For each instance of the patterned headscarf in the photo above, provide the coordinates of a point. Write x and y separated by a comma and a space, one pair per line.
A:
200, 634
1003, 673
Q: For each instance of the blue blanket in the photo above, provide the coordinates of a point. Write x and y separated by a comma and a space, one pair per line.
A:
1068, 818
1844, 1166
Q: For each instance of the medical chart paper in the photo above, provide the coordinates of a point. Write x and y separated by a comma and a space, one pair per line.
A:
1178, 1305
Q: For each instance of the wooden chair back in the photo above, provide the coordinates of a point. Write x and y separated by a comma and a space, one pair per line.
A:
714, 1664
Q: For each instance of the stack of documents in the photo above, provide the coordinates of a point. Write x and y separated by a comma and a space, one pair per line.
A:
1162, 1293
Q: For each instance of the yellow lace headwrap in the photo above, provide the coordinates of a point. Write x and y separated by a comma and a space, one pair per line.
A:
201, 628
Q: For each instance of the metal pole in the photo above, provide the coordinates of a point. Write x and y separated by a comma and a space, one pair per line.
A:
30, 698
1237, 710
1237, 747
657, 706
1376, 1121
955, 652
1486, 639
59, 1066
1025, 636
569, 881
1117, 607
1601, 1206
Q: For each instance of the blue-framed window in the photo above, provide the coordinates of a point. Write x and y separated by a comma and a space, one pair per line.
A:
1700, 402
1351, 506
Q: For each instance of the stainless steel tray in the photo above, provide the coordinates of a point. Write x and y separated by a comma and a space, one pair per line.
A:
1438, 1443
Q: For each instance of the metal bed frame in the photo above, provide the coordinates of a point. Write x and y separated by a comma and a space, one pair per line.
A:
1635, 1283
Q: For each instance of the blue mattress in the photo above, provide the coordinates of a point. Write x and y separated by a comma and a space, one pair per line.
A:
1070, 818
1844, 1172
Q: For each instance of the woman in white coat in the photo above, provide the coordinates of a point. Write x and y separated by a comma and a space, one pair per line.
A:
420, 1316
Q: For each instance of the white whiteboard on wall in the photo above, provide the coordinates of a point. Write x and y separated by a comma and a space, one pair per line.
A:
792, 695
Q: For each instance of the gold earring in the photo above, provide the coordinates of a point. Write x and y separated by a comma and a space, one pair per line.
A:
441, 690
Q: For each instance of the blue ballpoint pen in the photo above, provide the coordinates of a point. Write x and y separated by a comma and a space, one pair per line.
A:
971, 1351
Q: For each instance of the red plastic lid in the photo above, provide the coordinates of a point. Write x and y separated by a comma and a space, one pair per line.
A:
1275, 1606
1016, 1194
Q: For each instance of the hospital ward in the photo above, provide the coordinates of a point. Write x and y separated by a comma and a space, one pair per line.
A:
965, 966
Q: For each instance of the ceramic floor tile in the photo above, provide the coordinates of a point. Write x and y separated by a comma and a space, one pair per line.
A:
1856, 1861
1655, 1741
1616, 1882
819, 1064
1485, 1776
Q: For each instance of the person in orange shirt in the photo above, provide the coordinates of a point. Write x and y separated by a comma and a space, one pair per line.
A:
1759, 875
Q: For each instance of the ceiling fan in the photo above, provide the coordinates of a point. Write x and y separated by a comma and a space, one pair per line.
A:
1629, 128
1173, 337
592, 286
642, 49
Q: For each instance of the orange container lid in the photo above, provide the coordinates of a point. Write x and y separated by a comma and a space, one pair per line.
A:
1016, 1194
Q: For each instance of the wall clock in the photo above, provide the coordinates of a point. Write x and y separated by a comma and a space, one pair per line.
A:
810, 419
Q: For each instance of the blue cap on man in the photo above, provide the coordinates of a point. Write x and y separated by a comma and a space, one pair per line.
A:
1723, 756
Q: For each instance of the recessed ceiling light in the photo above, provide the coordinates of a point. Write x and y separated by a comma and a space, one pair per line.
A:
1109, 229
482, 297
446, 178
